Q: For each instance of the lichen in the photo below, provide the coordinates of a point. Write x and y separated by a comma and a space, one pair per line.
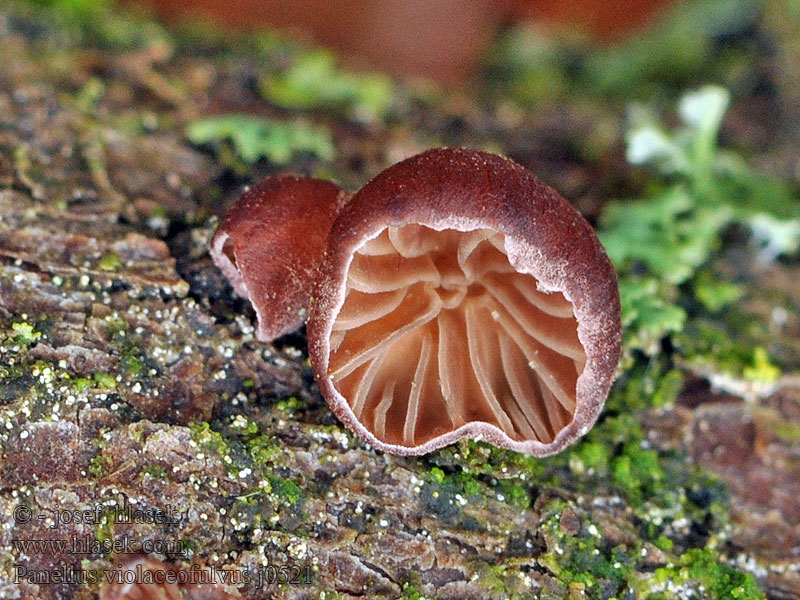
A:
315, 81
254, 138
661, 242
712, 346
718, 579
582, 561
109, 262
291, 405
411, 593
25, 333
209, 440
105, 380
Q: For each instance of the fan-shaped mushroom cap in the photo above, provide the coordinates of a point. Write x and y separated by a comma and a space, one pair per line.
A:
462, 297
270, 244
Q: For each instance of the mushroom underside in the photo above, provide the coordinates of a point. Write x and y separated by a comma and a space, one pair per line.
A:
438, 330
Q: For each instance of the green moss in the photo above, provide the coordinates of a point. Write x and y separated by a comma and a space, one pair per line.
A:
109, 262
286, 490
291, 404
263, 449
442, 500
117, 327
662, 542
583, 560
590, 458
513, 493
315, 81
104, 529
411, 593
761, 368
132, 364
89, 95
246, 428
243, 446
156, 471
254, 138
448, 491
82, 384
208, 439
613, 458
99, 465
437, 475
788, 432
638, 473
667, 389
24, 333
491, 578
719, 579
104, 380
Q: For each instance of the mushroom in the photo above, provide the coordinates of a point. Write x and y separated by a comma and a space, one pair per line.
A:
270, 244
459, 296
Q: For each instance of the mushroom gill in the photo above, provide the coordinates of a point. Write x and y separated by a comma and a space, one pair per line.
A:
438, 330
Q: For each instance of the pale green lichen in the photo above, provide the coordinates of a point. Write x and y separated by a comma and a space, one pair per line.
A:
531, 65
109, 262
667, 234
156, 471
24, 333
661, 242
315, 81
254, 138
105, 380
711, 345
703, 566
291, 405
648, 314
761, 369
713, 293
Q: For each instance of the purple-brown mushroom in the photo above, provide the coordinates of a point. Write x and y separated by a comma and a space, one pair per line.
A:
459, 296
270, 244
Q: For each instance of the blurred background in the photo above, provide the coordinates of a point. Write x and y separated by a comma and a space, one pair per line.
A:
444, 40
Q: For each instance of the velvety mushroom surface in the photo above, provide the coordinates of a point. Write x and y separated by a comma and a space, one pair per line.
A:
431, 318
462, 297
270, 244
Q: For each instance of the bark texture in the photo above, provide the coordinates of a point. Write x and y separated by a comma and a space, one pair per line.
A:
131, 378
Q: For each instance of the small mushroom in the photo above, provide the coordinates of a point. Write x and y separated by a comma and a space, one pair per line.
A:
459, 296
270, 244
